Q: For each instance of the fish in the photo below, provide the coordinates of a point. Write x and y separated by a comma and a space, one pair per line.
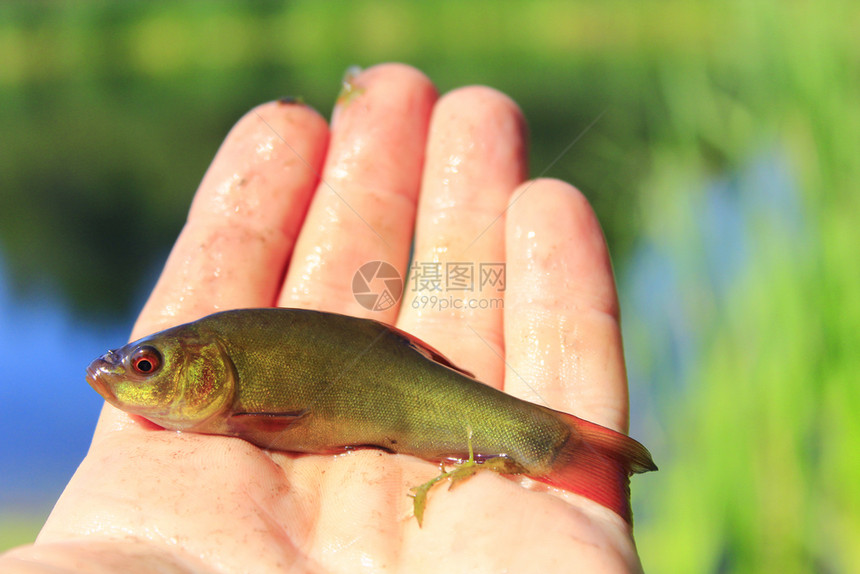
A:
306, 381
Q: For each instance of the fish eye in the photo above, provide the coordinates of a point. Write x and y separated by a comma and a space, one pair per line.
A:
145, 360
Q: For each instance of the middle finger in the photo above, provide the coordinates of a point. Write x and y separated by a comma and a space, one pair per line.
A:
364, 207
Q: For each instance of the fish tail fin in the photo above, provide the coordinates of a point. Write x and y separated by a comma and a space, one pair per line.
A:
597, 462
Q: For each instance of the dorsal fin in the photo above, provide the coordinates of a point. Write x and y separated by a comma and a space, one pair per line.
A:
429, 351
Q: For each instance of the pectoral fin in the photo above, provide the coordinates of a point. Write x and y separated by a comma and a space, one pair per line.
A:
252, 424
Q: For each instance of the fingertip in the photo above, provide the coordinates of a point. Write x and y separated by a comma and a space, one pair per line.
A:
275, 116
274, 132
478, 121
551, 191
388, 81
395, 71
562, 336
551, 206
480, 99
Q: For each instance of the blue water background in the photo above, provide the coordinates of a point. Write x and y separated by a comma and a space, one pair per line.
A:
47, 409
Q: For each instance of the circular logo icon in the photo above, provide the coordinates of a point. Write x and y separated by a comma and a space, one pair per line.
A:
377, 286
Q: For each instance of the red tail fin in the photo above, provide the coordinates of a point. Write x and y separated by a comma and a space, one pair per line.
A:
597, 462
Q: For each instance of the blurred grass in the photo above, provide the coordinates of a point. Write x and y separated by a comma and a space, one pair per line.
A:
764, 440
18, 529
110, 113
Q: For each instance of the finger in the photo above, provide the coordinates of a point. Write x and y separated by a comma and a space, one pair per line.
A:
476, 156
364, 208
562, 334
242, 224
244, 219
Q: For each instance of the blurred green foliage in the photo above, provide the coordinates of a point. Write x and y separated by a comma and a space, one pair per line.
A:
17, 529
111, 112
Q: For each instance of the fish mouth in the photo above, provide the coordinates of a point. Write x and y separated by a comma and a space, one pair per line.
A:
94, 378
99, 369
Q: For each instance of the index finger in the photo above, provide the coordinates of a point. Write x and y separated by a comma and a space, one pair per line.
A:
242, 224
244, 219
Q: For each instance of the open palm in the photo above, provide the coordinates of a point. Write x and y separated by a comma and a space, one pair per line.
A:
285, 216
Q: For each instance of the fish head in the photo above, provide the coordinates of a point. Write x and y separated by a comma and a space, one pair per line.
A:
177, 378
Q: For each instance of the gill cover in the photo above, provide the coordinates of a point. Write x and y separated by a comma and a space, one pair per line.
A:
206, 385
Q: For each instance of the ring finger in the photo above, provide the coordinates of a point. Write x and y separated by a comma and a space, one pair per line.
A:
476, 156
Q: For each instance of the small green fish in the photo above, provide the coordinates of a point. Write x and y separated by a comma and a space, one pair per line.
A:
312, 382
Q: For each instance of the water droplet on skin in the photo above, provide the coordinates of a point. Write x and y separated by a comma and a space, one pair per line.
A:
223, 199
346, 162
452, 166
264, 149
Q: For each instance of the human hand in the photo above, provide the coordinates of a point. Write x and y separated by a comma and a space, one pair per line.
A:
263, 231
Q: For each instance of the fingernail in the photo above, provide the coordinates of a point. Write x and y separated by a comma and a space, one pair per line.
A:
348, 90
349, 75
292, 100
